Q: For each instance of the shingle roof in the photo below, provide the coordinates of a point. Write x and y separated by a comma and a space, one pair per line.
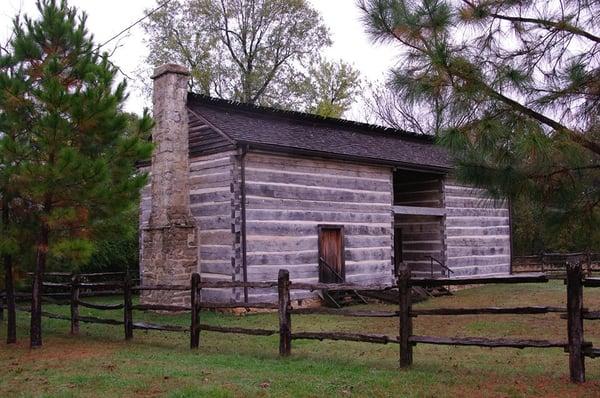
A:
287, 131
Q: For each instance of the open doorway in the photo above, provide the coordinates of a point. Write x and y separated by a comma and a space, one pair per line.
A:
419, 222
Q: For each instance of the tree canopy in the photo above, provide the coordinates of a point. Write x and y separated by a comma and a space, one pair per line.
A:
515, 85
264, 52
329, 89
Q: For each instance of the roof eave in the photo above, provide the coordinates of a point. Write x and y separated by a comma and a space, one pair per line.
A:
361, 159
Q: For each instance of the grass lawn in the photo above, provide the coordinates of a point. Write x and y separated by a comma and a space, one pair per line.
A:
98, 363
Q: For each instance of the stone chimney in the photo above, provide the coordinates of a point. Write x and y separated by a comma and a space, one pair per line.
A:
169, 252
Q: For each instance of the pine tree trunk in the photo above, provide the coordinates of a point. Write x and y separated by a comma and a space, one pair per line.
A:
11, 327
35, 331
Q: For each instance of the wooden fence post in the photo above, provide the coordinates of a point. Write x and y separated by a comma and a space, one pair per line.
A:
404, 318
575, 322
127, 310
285, 318
195, 304
75, 304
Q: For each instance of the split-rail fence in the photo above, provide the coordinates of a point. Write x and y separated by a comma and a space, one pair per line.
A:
575, 313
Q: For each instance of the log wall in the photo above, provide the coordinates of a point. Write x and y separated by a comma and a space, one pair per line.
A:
422, 236
214, 202
288, 197
477, 232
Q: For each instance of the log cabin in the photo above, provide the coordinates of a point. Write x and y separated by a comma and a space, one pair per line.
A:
239, 191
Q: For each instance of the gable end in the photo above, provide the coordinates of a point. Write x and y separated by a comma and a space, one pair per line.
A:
204, 139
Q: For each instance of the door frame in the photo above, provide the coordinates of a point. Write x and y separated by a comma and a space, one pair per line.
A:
340, 228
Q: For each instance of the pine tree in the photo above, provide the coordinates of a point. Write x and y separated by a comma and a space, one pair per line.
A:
515, 85
71, 160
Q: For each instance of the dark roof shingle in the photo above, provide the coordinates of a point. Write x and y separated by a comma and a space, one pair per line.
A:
293, 131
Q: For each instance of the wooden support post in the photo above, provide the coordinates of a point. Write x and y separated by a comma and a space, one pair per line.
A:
1, 306
195, 304
285, 318
405, 320
127, 309
575, 322
543, 258
74, 304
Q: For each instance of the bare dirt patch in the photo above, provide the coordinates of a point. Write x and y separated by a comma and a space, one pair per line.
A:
496, 386
59, 352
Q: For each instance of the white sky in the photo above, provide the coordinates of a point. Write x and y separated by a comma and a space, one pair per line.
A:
108, 17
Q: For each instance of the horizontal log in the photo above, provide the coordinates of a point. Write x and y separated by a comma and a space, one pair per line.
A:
520, 278
51, 273
462, 251
217, 196
337, 286
85, 319
367, 338
52, 294
160, 307
155, 326
100, 306
100, 293
232, 284
86, 275
591, 352
332, 216
55, 284
99, 274
162, 287
474, 212
477, 231
416, 210
332, 311
488, 310
225, 329
49, 296
591, 282
106, 285
271, 306
295, 204
591, 315
318, 167
92, 319
321, 180
478, 261
310, 228
485, 342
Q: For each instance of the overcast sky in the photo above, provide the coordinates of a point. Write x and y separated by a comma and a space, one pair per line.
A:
108, 17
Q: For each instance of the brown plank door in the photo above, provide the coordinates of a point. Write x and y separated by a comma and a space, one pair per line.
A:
331, 254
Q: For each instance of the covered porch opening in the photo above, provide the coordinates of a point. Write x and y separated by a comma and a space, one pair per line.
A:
419, 219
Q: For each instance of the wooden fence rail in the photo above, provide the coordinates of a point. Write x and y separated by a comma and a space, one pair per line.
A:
574, 312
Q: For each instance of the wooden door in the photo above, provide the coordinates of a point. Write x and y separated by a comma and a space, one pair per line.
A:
331, 254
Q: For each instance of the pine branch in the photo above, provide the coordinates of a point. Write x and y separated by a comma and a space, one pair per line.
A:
560, 26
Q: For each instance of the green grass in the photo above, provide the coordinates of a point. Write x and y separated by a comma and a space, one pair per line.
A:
99, 363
